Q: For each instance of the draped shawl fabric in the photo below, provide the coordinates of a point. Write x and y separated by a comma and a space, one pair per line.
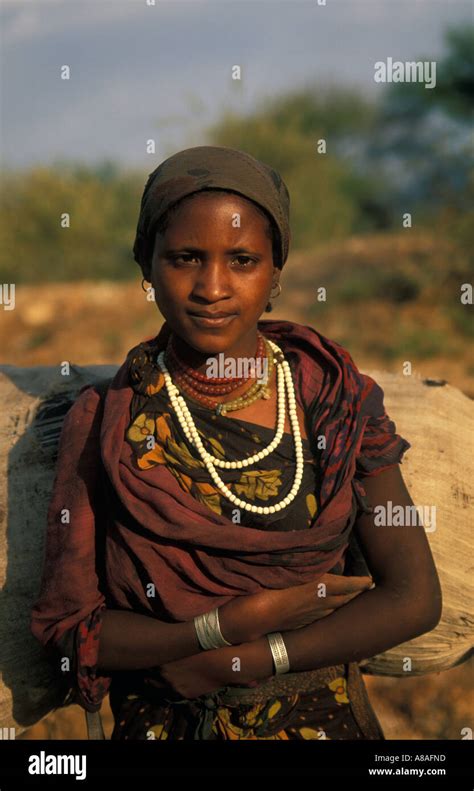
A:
150, 547
198, 558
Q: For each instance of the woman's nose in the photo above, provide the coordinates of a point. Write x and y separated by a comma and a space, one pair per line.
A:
212, 281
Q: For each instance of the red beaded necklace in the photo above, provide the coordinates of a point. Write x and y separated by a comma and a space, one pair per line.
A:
199, 383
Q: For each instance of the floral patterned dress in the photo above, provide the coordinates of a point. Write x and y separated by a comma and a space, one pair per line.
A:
336, 708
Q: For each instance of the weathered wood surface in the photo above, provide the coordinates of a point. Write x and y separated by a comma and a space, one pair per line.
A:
438, 469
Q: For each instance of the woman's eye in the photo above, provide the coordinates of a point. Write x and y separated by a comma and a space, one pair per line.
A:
185, 258
245, 259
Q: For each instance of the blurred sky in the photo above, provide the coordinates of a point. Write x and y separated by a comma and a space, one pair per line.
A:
164, 71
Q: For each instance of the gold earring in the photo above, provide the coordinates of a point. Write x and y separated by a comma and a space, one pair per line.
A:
144, 280
269, 306
274, 296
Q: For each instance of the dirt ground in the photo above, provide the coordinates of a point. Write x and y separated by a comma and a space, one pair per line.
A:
98, 322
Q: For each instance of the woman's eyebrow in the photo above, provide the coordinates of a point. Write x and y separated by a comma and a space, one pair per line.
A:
190, 249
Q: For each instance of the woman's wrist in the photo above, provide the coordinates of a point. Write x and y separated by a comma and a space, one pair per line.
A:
256, 661
238, 624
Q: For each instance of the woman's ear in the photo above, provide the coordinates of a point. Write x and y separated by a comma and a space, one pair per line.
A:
146, 272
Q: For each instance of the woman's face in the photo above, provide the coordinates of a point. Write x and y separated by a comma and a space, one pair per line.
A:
203, 263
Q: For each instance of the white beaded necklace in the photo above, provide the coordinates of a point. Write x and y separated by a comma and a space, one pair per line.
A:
211, 462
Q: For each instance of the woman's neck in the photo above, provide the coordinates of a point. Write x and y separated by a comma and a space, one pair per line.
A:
199, 360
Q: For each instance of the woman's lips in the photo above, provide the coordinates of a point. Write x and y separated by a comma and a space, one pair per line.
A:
205, 321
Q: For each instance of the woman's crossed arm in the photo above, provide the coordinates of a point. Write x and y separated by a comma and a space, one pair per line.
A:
405, 603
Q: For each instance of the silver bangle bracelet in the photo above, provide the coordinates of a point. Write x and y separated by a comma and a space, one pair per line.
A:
279, 652
208, 630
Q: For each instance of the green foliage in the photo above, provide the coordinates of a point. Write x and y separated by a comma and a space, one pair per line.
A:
329, 200
103, 207
424, 136
454, 82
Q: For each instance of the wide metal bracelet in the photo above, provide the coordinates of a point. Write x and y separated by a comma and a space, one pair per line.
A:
208, 630
279, 653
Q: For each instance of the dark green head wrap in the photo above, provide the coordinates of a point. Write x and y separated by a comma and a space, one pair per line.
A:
204, 168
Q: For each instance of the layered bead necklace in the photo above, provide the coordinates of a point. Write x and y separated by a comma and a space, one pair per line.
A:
199, 388
211, 463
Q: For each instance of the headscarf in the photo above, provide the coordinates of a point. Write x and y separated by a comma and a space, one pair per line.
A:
210, 167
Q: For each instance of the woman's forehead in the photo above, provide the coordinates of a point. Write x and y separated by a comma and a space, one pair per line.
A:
225, 205
224, 198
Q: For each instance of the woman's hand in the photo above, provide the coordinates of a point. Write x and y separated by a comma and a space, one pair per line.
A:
246, 618
200, 674
203, 673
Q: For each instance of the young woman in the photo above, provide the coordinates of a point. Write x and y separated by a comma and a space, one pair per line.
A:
215, 496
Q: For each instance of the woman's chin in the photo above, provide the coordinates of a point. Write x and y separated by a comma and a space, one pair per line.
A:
208, 340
